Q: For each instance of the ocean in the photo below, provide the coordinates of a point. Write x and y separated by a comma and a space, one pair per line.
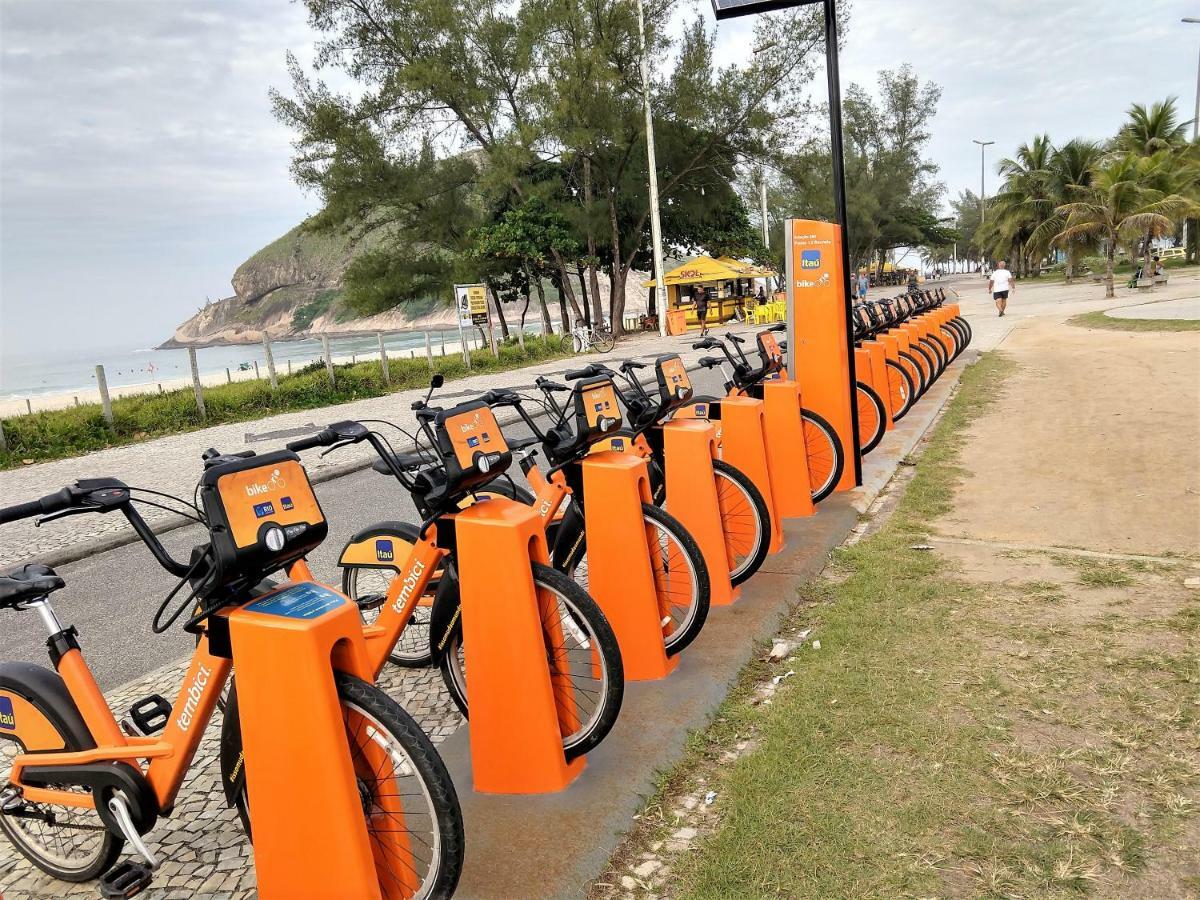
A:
54, 373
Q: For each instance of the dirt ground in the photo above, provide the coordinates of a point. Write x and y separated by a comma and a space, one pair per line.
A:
1095, 443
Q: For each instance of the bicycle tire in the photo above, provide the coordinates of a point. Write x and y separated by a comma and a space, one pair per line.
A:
955, 337
98, 861
872, 417
938, 348
916, 374
900, 387
609, 652
365, 700
603, 341
823, 446
732, 483
576, 344
926, 360
412, 650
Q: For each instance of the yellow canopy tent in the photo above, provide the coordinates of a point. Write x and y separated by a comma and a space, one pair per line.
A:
706, 270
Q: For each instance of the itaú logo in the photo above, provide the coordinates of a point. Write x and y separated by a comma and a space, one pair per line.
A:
410, 585
194, 692
274, 483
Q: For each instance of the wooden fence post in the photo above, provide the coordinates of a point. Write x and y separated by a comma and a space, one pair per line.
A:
383, 360
429, 351
270, 364
228, 376
289, 367
102, 384
328, 360
196, 383
3, 440
442, 335
28, 407
257, 375
492, 338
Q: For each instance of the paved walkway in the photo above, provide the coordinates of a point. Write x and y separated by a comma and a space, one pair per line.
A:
172, 463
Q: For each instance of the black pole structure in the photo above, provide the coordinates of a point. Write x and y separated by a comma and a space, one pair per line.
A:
837, 151
729, 9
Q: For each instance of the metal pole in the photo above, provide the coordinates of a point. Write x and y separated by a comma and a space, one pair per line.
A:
660, 286
843, 216
983, 145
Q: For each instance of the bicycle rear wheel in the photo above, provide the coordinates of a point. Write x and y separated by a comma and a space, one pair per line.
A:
412, 814
603, 340
585, 662
825, 460
916, 374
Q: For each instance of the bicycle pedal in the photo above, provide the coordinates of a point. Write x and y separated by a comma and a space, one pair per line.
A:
149, 715
10, 799
371, 601
125, 879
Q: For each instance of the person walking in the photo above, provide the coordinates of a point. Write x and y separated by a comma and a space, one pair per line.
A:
1000, 285
864, 284
702, 310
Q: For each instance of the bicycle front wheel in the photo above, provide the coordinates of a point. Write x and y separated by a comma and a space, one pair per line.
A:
825, 459
872, 419
414, 822
585, 662
745, 521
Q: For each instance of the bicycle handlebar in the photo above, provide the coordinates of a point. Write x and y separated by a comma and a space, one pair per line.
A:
322, 438
51, 503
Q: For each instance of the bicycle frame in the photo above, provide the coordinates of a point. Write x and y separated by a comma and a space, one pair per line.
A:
169, 756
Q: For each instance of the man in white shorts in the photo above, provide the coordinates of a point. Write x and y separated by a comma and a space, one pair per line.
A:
1001, 284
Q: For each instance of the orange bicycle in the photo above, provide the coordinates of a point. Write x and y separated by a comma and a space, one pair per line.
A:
81, 785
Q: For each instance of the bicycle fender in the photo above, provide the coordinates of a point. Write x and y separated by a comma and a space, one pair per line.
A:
385, 545
36, 710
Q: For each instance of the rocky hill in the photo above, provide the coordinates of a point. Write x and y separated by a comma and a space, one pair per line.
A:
292, 288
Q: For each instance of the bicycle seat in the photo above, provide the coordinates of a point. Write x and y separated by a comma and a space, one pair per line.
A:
30, 582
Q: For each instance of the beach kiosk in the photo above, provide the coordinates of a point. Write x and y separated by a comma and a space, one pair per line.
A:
728, 284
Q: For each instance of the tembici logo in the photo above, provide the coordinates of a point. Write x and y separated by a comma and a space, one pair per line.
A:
410, 584
194, 692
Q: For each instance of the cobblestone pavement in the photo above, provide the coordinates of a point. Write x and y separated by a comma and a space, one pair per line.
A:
172, 463
204, 852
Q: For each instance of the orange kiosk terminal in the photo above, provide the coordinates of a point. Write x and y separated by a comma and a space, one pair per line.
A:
820, 340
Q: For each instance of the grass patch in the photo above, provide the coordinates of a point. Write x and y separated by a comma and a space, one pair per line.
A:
57, 434
949, 737
1103, 321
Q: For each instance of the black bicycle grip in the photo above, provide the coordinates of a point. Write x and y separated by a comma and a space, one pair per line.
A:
576, 374
20, 511
322, 438
631, 364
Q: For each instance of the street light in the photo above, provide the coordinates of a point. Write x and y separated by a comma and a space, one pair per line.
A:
983, 145
1188, 20
660, 285
762, 181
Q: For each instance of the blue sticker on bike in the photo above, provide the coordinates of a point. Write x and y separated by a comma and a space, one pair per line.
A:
8, 718
300, 601
262, 510
384, 551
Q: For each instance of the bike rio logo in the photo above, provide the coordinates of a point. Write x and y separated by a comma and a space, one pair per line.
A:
274, 483
8, 718
410, 584
194, 692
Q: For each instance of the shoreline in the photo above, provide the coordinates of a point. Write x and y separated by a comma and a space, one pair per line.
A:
90, 395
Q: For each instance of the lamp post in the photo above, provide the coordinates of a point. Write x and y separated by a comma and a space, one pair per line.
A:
983, 145
660, 285
1195, 120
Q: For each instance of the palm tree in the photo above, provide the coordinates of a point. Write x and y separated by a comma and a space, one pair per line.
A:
1121, 202
1025, 201
1070, 171
1152, 130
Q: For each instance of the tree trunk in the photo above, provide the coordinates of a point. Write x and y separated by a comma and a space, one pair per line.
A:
587, 314
565, 291
1109, 290
547, 328
521, 328
593, 276
616, 299
1147, 272
499, 310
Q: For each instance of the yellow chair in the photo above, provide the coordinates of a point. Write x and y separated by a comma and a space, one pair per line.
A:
763, 313
778, 312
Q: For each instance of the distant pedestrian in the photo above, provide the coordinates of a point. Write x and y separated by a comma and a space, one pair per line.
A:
702, 310
1000, 285
864, 284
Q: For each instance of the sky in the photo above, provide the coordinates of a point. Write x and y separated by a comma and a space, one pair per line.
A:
140, 164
